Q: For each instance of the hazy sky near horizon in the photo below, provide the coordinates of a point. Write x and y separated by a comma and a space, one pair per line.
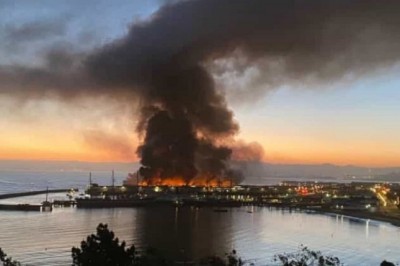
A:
351, 121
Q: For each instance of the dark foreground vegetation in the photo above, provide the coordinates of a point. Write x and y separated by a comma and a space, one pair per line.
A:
105, 249
7, 261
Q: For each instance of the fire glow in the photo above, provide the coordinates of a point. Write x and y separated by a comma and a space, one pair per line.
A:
181, 182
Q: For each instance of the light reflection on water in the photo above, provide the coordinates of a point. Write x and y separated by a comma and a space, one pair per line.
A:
47, 238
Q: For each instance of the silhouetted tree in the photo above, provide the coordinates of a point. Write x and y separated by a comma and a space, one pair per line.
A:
232, 259
7, 261
306, 257
103, 249
387, 263
152, 258
212, 261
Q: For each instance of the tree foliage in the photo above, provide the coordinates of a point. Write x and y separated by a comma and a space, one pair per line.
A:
306, 257
387, 263
103, 249
231, 259
7, 261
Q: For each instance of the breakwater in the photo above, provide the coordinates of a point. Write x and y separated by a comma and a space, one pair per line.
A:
32, 193
20, 207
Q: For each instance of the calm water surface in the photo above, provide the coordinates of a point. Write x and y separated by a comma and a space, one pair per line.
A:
47, 238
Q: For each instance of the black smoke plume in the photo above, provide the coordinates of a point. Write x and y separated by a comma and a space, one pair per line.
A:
165, 60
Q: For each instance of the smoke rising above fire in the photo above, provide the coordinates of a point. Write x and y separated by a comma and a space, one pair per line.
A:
164, 61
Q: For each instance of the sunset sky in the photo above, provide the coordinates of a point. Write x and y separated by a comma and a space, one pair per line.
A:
347, 121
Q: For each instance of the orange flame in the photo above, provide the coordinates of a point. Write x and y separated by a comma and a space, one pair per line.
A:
200, 181
157, 181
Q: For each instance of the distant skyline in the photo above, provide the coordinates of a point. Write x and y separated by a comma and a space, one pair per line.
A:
349, 121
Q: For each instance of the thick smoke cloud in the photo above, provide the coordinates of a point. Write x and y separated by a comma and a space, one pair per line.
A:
247, 152
34, 31
120, 146
165, 61
325, 39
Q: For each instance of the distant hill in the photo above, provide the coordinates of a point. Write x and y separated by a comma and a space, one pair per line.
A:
250, 169
258, 169
33, 165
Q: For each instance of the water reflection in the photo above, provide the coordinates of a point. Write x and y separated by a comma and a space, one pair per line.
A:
184, 232
257, 233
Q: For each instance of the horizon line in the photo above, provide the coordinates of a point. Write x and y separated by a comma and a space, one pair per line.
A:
137, 162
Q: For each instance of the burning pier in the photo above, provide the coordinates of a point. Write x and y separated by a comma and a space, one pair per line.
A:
177, 181
303, 195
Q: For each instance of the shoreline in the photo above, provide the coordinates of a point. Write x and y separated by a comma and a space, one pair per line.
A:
379, 217
376, 216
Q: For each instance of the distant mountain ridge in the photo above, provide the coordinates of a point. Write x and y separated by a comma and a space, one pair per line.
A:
316, 170
36, 165
253, 169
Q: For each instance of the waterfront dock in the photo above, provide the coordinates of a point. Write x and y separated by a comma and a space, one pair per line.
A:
20, 207
33, 193
45, 206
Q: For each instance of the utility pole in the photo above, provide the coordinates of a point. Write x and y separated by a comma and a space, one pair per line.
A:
90, 179
112, 184
137, 182
47, 193
112, 179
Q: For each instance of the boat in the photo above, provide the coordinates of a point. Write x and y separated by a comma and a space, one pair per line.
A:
47, 206
220, 210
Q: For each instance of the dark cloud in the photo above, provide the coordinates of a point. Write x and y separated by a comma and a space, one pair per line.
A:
165, 61
63, 76
168, 148
35, 30
31, 83
293, 40
252, 152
